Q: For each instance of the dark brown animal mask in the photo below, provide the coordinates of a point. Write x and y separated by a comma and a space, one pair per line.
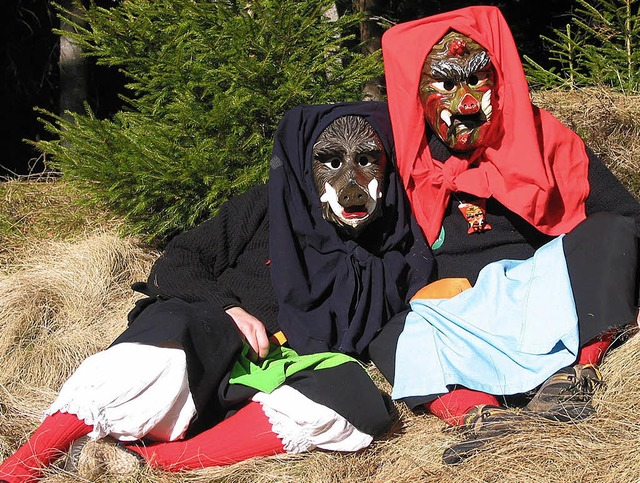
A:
349, 165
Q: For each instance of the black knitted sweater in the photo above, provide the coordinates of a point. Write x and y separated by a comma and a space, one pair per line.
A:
511, 237
224, 260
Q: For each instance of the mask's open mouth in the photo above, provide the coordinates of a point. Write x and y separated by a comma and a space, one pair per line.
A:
355, 215
461, 123
355, 212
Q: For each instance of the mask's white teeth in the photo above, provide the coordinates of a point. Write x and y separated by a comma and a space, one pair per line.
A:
487, 108
374, 192
446, 117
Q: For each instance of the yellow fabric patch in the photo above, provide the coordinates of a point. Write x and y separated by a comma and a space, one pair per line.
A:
445, 288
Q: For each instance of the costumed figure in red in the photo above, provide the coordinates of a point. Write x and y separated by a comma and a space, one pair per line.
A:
514, 204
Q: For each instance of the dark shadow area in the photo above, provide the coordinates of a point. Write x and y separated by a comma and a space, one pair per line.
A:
29, 74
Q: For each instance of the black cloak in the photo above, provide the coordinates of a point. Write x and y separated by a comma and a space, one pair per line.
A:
334, 293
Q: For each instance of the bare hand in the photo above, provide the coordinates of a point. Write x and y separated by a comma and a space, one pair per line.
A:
253, 330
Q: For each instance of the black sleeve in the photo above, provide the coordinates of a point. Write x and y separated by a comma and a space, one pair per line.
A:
194, 261
607, 194
186, 279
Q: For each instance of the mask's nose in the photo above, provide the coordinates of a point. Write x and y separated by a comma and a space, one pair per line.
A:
352, 195
469, 105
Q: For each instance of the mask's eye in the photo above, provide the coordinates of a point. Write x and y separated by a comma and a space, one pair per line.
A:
478, 78
444, 86
364, 160
333, 163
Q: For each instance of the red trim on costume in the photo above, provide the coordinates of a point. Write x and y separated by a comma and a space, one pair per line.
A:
453, 406
593, 351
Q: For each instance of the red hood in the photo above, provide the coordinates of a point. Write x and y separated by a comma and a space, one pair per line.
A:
532, 164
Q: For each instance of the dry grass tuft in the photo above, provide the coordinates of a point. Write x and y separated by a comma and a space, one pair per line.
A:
607, 120
62, 302
71, 299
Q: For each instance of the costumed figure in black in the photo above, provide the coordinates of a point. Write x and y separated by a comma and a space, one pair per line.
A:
248, 341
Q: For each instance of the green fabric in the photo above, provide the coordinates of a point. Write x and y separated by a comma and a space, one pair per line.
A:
280, 363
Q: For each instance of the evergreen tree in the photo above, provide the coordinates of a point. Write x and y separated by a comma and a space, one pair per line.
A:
208, 81
601, 46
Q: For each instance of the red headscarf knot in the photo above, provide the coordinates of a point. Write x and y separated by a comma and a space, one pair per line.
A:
445, 177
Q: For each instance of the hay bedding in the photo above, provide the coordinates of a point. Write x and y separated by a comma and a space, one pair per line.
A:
60, 303
65, 301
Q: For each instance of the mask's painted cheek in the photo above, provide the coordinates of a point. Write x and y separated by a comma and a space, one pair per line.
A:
437, 113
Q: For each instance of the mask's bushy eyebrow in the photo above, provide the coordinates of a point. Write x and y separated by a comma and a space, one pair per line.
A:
374, 151
447, 70
328, 156
370, 145
328, 147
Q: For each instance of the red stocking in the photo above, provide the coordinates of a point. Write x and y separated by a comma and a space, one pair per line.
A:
452, 407
246, 434
52, 438
593, 351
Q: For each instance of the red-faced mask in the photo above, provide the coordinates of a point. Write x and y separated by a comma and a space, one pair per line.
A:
456, 91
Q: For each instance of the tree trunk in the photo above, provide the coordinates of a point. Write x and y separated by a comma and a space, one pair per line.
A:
73, 67
370, 36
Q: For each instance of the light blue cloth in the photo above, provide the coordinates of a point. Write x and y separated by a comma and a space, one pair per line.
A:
506, 335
